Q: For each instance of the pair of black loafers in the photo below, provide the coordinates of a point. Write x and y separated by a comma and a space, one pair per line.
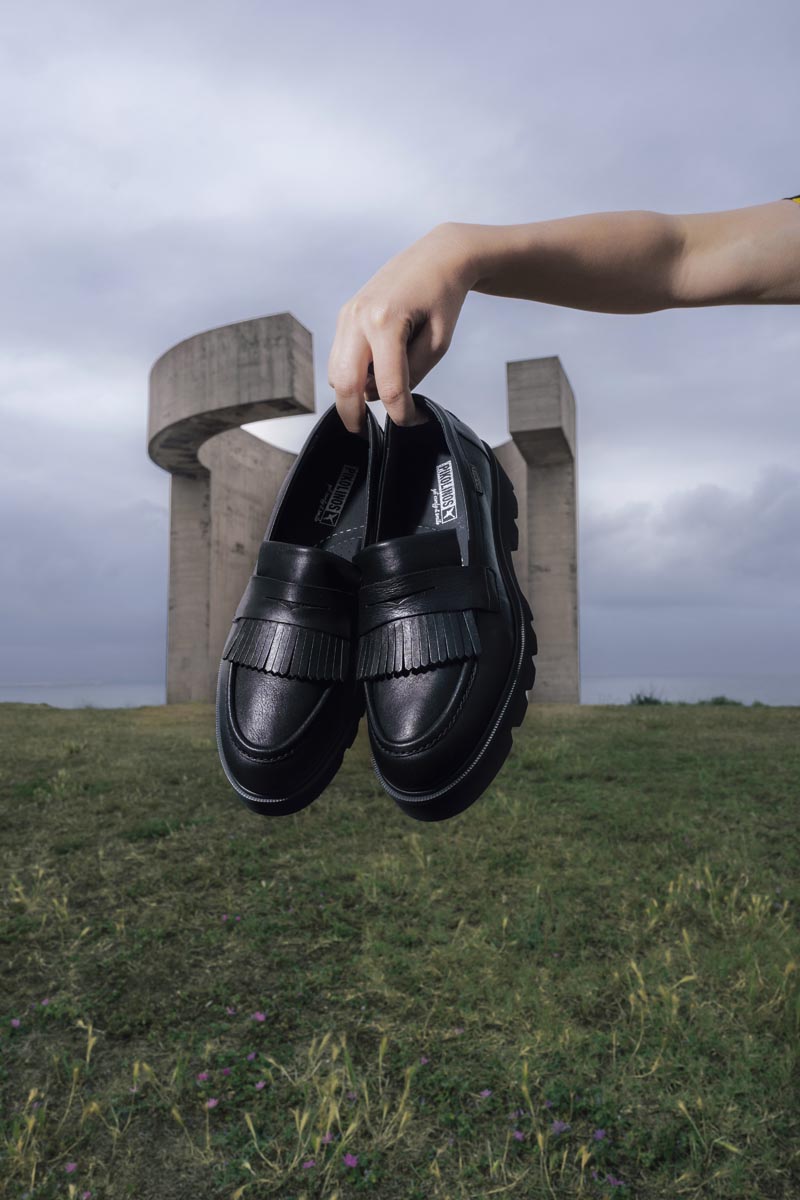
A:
384, 581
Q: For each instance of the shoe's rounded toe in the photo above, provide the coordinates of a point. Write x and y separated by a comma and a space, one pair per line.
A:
282, 740
425, 726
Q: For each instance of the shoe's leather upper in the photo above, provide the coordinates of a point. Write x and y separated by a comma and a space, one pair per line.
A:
296, 617
436, 626
287, 694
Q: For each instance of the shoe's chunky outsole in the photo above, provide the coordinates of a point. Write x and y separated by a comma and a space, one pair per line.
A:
476, 775
275, 806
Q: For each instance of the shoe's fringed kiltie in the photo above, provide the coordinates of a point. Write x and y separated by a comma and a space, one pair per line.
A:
298, 630
288, 650
412, 643
419, 620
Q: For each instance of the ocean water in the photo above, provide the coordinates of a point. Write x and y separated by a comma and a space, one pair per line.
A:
595, 689
618, 689
79, 695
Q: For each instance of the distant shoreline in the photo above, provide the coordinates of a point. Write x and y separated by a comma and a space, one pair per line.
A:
773, 690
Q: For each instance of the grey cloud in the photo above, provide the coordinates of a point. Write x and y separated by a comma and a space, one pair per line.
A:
708, 545
706, 582
83, 573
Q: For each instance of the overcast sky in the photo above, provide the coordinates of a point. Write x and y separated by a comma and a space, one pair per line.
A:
167, 168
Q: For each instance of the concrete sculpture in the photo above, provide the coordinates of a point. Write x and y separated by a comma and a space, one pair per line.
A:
224, 482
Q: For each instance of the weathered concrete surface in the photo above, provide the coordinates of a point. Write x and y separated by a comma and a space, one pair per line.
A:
246, 475
225, 378
189, 565
541, 417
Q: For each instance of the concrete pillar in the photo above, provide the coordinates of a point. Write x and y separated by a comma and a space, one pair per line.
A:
541, 462
189, 563
221, 497
246, 475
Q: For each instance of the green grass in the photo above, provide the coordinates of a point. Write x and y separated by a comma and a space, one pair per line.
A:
607, 939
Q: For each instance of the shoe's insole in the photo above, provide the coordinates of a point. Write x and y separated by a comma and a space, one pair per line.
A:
326, 504
422, 489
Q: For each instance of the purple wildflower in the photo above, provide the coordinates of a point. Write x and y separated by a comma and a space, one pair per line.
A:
599, 1134
614, 1182
351, 1160
352, 1095
212, 1103
259, 1016
486, 1092
326, 1137
202, 1077
224, 916
251, 1056
15, 1022
230, 1011
560, 1127
262, 1083
309, 1163
519, 1135
423, 1060
70, 1167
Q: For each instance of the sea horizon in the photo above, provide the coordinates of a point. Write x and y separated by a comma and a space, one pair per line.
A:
772, 690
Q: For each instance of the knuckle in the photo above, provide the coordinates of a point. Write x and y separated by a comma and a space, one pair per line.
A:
348, 312
344, 384
391, 393
382, 315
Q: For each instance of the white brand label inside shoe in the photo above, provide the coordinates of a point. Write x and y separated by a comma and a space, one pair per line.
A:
444, 497
335, 497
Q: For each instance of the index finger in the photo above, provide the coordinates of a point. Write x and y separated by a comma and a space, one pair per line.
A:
347, 375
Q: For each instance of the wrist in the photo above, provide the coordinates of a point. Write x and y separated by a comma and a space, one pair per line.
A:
464, 249
489, 255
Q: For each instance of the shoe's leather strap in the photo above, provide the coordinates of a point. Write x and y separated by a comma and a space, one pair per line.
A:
289, 626
434, 589
330, 610
421, 619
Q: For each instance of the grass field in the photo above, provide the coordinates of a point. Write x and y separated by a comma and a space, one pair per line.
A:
586, 985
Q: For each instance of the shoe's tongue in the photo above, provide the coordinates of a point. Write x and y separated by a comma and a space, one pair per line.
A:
401, 555
306, 564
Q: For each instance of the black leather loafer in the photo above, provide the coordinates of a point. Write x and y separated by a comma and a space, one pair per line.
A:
288, 703
446, 643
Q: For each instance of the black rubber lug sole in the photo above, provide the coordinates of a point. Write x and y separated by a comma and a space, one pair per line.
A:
487, 765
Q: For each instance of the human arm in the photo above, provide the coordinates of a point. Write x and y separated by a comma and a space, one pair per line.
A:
642, 261
401, 322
